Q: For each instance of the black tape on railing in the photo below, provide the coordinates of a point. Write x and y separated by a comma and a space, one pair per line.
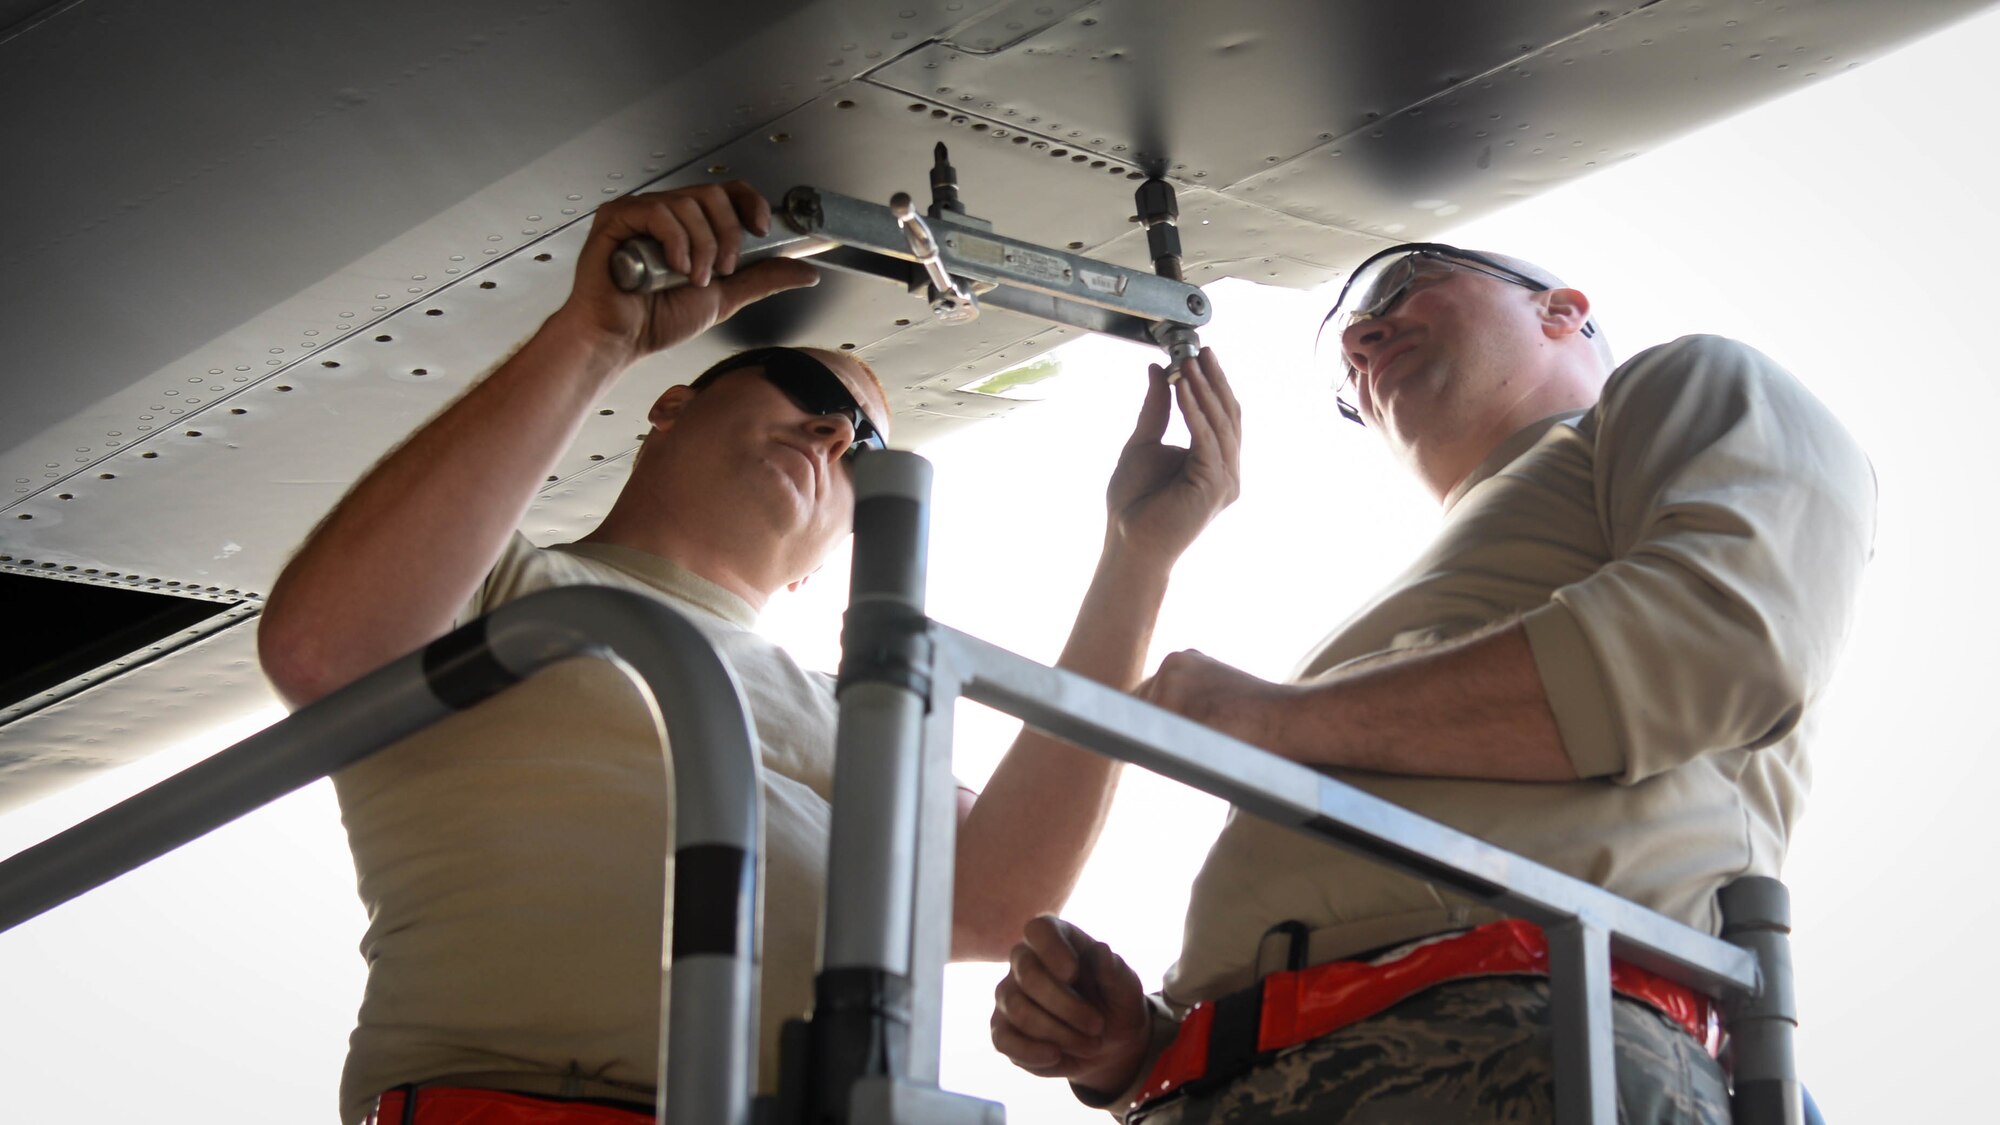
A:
886, 643
460, 668
889, 535
711, 881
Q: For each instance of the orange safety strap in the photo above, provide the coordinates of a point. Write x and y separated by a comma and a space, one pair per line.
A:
460, 1105
1301, 1005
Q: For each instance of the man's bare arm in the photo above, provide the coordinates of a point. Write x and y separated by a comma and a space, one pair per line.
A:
1026, 838
1470, 708
409, 545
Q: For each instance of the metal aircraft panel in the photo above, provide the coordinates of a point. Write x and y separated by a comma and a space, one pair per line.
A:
215, 212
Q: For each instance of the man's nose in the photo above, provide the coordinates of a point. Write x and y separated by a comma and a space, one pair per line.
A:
836, 431
1360, 339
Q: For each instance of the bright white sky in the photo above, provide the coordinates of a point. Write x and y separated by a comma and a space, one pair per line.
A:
1849, 231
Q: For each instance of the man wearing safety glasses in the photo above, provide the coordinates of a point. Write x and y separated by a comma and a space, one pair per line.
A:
512, 857
1606, 661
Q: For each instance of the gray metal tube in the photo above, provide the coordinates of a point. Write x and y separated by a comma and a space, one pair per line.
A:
718, 815
380, 708
1580, 1023
871, 873
640, 264
861, 996
872, 855
1757, 915
709, 1045
936, 875
1117, 725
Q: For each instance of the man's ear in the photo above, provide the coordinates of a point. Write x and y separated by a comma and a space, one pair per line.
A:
667, 408
1564, 312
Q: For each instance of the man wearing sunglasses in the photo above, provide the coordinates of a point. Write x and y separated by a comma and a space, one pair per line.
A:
1606, 661
511, 858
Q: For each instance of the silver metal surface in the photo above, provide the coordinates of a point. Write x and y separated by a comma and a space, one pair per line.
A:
279, 184
639, 265
1580, 1022
872, 846
121, 714
933, 891
1053, 285
871, 868
377, 710
710, 1003
952, 304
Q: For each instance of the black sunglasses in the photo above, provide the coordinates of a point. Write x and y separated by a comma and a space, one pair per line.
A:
811, 385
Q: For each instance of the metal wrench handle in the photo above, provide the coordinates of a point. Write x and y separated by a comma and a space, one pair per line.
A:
639, 265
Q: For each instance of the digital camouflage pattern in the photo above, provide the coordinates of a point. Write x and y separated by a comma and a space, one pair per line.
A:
1467, 1052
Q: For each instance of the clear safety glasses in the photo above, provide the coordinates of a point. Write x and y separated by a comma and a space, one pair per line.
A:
1378, 283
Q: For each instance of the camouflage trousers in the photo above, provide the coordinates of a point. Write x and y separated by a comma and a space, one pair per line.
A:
1467, 1052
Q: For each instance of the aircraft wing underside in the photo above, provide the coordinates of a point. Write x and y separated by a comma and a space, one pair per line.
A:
249, 247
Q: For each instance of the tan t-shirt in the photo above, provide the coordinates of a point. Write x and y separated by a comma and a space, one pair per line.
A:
514, 857
1685, 558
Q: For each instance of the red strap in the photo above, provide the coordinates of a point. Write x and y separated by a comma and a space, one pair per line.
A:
1302, 1005
457, 1105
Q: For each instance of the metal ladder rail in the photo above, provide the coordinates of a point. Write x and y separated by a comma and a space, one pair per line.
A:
718, 814
902, 673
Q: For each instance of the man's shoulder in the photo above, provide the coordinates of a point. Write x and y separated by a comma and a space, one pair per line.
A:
1698, 356
1711, 369
524, 568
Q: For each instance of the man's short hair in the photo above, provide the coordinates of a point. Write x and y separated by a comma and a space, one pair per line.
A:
1547, 277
